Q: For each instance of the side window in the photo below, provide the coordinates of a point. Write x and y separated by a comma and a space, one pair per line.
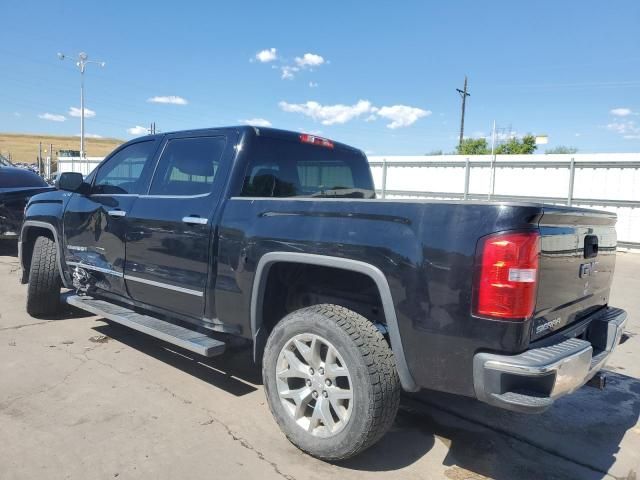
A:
121, 173
270, 180
188, 166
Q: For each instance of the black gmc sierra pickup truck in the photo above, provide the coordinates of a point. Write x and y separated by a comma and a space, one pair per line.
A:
277, 237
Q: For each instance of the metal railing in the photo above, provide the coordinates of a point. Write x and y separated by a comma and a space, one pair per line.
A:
462, 178
572, 165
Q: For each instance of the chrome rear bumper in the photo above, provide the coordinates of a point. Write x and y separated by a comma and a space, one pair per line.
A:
531, 381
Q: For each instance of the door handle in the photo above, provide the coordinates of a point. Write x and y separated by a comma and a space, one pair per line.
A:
117, 213
192, 220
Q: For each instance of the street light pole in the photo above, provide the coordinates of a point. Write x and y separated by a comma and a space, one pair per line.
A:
81, 63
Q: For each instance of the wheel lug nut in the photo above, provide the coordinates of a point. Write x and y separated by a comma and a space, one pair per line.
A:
327, 382
314, 394
321, 371
325, 394
311, 371
308, 383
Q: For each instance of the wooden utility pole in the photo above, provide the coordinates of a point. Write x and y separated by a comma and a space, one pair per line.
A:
464, 94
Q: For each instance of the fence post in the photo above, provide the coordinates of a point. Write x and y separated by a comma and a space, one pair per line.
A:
384, 177
572, 174
467, 176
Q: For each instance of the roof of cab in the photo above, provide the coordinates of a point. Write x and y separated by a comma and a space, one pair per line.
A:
252, 130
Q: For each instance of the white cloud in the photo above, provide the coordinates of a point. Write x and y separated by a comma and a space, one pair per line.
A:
267, 55
90, 135
309, 60
329, 114
257, 122
52, 117
288, 72
75, 112
137, 130
402, 115
168, 99
313, 84
621, 112
629, 130
288, 69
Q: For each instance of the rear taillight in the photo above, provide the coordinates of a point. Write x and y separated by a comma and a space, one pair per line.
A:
322, 142
507, 275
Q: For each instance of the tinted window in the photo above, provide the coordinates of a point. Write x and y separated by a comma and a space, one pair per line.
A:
11, 177
188, 166
122, 172
283, 168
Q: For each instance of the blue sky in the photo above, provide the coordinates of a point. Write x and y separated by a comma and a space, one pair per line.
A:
378, 75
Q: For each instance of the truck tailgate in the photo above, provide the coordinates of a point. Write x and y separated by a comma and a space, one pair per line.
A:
578, 248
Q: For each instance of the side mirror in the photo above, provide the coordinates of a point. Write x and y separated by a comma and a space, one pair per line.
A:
70, 181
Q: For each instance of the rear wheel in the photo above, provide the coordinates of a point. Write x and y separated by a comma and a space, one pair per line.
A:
43, 293
331, 381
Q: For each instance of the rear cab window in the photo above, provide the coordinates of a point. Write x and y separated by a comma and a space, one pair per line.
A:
281, 167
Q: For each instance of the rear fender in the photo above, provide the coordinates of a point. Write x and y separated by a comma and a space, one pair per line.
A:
260, 283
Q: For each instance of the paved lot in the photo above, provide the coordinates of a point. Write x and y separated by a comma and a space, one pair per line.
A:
83, 399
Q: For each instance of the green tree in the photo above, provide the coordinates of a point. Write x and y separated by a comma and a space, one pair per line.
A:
518, 146
473, 146
561, 149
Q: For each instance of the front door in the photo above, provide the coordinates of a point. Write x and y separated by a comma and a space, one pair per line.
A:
169, 243
95, 223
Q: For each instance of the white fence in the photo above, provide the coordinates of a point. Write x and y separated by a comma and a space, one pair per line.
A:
604, 181
77, 164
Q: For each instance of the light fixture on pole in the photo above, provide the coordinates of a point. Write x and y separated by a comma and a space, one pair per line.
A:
82, 62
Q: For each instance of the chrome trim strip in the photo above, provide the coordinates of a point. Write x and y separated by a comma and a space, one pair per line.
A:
200, 195
168, 286
97, 269
195, 220
117, 213
113, 195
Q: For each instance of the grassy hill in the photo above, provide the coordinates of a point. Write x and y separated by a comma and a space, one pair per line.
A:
24, 147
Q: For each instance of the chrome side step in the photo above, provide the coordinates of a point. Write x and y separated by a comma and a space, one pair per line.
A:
183, 337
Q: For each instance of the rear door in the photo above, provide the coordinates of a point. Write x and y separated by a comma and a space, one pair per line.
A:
578, 253
95, 224
170, 239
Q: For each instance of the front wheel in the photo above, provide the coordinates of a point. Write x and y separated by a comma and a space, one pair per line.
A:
331, 381
43, 293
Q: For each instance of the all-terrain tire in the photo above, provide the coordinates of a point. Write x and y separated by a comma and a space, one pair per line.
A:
371, 365
43, 292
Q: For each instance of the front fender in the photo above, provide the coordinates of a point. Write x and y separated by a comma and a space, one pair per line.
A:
44, 214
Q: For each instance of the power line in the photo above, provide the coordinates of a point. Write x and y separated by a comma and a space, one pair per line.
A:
464, 94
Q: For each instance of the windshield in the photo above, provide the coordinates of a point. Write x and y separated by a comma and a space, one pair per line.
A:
283, 168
